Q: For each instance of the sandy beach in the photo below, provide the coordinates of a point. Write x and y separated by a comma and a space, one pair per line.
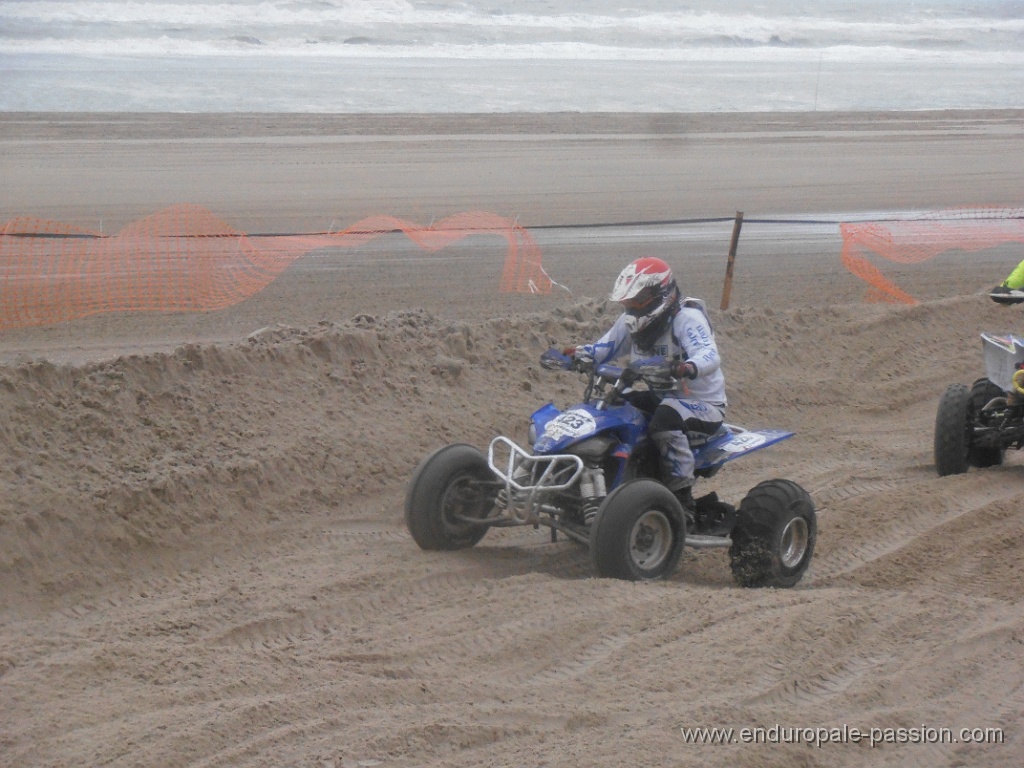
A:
202, 553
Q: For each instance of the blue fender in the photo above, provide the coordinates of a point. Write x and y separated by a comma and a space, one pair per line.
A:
557, 430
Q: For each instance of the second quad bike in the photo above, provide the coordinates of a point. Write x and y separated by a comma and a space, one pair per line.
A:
976, 425
593, 474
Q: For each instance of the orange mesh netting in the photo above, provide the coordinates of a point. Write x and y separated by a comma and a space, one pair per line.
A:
909, 241
186, 259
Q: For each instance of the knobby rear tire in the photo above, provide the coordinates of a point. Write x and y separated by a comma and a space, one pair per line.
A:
774, 537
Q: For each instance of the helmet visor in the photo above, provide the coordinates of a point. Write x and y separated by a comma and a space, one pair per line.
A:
644, 302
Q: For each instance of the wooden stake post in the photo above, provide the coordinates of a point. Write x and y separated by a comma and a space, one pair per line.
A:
727, 289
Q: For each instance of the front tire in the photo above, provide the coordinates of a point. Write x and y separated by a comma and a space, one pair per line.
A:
448, 486
638, 532
773, 540
952, 431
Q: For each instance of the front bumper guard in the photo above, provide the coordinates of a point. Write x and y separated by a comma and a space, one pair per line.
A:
530, 479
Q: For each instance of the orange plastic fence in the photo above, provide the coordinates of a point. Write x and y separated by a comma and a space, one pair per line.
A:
909, 241
186, 259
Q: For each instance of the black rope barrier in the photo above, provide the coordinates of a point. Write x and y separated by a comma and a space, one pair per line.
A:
590, 225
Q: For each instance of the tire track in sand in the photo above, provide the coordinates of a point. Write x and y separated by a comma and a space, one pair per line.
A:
906, 528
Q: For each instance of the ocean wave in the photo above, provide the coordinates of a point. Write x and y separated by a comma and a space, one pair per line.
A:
278, 24
496, 55
366, 47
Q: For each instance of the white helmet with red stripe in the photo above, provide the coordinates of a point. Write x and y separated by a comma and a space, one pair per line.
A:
647, 290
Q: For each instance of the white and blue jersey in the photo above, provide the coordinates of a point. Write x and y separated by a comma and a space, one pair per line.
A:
688, 337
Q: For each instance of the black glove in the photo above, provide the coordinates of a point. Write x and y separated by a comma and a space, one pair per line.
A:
684, 370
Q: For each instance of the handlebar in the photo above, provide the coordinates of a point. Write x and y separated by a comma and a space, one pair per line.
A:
652, 370
553, 360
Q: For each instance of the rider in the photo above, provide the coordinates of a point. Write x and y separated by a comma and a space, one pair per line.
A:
659, 321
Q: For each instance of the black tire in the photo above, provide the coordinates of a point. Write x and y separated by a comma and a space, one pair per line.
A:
982, 391
449, 482
774, 537
638, 532
953, 431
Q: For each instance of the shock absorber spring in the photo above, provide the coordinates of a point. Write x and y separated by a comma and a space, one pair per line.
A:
592, 492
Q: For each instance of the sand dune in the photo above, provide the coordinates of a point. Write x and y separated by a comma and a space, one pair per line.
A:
204, 562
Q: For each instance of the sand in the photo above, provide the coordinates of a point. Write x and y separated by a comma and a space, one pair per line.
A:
202, 554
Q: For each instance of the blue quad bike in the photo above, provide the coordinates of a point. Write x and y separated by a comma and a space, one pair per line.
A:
976, 425
594, 475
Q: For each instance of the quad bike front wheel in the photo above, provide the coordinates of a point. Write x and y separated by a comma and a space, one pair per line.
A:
983, 391
953, 431
773, 540
448, 490
959, 408
638, 532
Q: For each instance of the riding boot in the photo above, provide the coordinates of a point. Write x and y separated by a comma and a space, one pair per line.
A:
685, 496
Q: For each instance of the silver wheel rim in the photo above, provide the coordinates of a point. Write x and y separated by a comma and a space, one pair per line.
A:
650, 541
456, 500
795, 537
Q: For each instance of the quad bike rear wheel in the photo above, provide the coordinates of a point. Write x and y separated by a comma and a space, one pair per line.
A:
773, 540
447, 490
638, 532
